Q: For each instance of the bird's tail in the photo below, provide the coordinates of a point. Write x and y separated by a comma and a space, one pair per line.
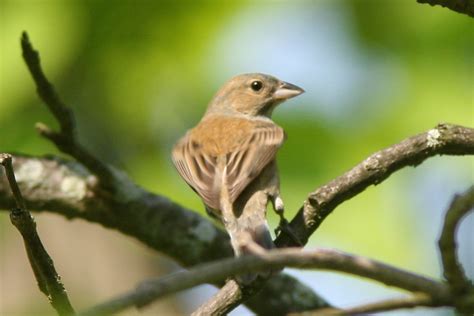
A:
247, 232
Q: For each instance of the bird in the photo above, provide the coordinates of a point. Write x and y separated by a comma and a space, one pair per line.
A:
229, 158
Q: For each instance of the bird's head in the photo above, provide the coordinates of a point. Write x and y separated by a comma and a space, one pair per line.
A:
252, 94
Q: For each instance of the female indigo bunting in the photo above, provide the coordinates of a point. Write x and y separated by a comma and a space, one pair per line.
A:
229, 157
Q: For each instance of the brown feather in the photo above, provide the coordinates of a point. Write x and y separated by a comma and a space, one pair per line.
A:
246, 147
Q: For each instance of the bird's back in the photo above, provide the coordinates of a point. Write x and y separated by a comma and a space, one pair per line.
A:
224, 149
220, 135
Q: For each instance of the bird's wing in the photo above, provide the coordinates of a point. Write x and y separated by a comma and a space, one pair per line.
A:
198, 169
245, 163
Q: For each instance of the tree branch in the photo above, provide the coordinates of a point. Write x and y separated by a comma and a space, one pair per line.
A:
461, 6
323, 259
66, 139
49, 282
452, 269
444, 139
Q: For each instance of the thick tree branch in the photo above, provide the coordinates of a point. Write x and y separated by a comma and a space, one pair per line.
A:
452, 269
49, 282
461, 6
323, 259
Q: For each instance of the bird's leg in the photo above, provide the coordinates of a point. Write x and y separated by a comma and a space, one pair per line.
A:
283, 226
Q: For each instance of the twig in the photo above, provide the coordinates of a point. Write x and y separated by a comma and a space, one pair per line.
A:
444, 139
49, 282
324, 259
66, 139
452, 269
460, 6
416, 300
6, 162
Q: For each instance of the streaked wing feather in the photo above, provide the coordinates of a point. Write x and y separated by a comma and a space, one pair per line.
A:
197, 169
243, 163
246, 163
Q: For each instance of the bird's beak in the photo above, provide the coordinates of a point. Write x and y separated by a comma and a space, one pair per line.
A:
286, 91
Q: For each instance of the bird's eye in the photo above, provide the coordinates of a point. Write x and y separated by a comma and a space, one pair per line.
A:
256, 85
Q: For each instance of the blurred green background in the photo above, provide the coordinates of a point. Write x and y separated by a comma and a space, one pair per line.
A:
138, 74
